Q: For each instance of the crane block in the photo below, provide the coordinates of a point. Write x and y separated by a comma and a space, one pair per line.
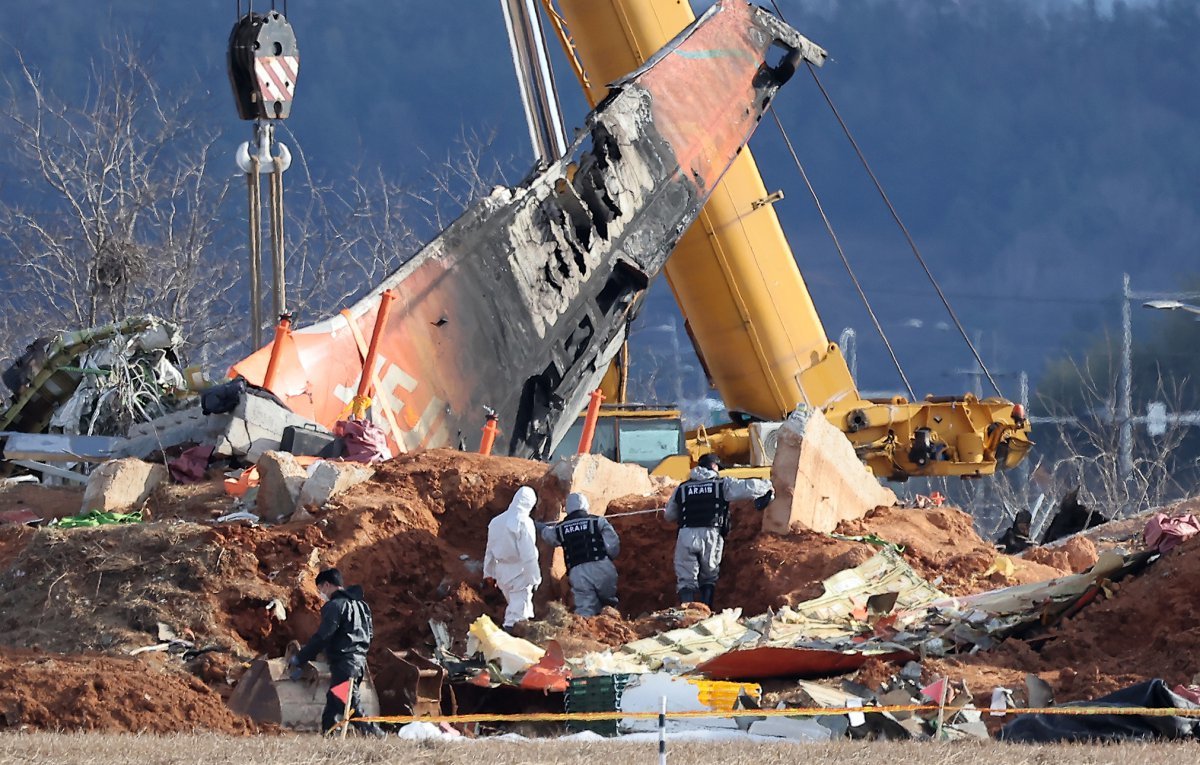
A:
263, 61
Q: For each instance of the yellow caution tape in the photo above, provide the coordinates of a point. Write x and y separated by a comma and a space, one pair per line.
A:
797, 712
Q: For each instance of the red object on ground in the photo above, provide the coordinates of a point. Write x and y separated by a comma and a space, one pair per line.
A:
549, 674
771, 661
192, 465
21, 517
1164, 533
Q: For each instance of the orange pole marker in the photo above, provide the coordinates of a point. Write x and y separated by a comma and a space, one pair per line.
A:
282, 330
490, 430
589, 422
361, 401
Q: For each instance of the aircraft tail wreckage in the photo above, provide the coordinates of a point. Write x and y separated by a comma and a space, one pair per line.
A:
522, 302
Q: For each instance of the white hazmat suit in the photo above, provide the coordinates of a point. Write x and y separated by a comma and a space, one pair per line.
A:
512, 556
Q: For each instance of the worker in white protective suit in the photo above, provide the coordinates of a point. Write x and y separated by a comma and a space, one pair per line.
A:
512, 556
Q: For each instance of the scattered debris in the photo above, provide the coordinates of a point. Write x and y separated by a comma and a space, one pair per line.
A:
95, 518
1112, 728
858, 604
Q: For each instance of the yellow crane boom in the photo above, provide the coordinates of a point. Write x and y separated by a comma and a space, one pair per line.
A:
748, 310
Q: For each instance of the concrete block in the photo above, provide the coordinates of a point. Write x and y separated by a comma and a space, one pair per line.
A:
187, 426
255, 427
327, 479
601, 480
280, 479
819, 481
121, 485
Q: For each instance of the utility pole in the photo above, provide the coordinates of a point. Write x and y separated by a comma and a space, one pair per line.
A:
1125, 395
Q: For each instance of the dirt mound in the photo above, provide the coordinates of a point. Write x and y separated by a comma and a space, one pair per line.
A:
47, 501
1076, 554
104, 693
414, 538
762, 571
579, 635
1149, 627
941, 544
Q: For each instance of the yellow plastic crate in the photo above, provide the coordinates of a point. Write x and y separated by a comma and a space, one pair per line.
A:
722, 694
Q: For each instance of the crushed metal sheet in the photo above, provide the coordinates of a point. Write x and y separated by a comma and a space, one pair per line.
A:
837, 632
95, 381
775, 661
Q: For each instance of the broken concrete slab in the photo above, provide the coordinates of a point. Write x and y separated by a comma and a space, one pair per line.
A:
187, 426
601, 480
280, 479
59, 447
121, 484
819, 480
328, 479
256, 426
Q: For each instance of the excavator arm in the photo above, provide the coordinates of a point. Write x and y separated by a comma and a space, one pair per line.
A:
748, 311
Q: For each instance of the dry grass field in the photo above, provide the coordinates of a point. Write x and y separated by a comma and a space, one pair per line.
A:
103, 749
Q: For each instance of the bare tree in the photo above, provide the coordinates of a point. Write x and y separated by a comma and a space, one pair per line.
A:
115, 213
343, 239
1080, 449
346, 237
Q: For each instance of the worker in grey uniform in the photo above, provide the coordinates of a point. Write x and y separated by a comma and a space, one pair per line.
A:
700, 505
589, 544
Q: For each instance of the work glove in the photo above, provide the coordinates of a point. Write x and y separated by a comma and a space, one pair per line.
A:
762, 502
539, 525
294, 668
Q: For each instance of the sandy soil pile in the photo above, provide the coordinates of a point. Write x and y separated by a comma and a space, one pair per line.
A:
105, 693
1148, 627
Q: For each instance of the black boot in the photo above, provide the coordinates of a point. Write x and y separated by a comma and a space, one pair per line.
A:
688, 595
706, 594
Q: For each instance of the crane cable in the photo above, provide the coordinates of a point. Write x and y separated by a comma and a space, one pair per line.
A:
277, 238
842, 254
255, 221
896, 216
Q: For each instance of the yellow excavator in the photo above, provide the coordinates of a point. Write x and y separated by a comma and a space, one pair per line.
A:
750, 315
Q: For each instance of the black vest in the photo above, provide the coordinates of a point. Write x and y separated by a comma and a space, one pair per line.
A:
702, 503
581, 540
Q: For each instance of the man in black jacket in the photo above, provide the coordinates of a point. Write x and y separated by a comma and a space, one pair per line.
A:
344, 637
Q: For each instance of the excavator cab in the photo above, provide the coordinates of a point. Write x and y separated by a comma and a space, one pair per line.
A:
635, 433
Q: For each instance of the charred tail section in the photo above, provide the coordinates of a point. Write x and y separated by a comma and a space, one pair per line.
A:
521, 303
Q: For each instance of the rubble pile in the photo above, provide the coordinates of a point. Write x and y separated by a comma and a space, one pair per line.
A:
198, 599
1148, 626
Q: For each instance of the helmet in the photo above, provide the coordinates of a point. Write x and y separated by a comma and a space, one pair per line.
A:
711, 462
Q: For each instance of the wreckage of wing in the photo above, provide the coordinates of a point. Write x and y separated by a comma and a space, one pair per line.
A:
521, 303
